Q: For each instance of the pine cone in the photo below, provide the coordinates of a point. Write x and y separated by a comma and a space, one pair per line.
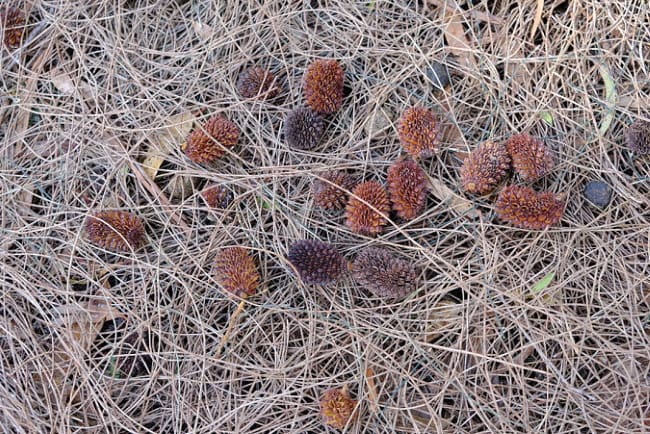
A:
363, 219
303, 128
235, 271
217, 196
337, 408
12, 21
210, 143
257, 82
118, 231
524, 208
637, 137
383, 274
330, 191
323, 86
485, 168
317, 262
407, 188
531, 158
418, 132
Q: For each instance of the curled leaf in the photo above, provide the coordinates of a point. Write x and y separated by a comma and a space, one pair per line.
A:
610, 97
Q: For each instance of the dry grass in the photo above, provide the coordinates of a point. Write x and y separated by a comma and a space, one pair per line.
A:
572, 358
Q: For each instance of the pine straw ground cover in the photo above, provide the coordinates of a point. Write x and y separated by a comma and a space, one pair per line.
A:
509, 331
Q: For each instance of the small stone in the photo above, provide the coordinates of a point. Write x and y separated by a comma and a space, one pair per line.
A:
439, 75
598, 193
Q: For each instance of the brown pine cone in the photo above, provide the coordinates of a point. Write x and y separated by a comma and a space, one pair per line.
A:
531, 158
418, 130
525, 208
407, 188
337, 408
303, 128
118, 231
12, 21
208, 144
330, 191
383, 274
317, 262
323, 86
363, 219
236, 272
217, 196
485, 168
257, 82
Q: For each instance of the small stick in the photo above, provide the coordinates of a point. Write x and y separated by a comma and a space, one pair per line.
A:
231, 325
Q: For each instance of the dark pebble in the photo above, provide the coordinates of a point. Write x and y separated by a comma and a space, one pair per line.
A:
598, 193
438, 74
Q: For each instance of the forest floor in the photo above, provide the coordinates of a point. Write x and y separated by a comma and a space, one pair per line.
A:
509, 330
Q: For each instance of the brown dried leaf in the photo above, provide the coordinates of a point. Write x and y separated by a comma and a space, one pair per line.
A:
80, 323
442, 317
458, 204
67, 86
372, 391
458, 43
204, 31
163, 141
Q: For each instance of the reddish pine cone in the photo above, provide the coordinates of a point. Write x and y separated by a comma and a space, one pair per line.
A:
383, 274
317, 262
524, 208
118, 231
12, 21
210, 143
217, 196
330, 191
323, 86
235, 271
303, 128
337, 408
637, 137
484, 168
363, 219
407, 188
257, 82
418, 132
531, 158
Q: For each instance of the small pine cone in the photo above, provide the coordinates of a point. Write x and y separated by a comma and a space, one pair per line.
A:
257, 82
407, 188
383, 274
637, 137
303, 128
210, 143
363, 219
337, 408
235, 271
418, 130
485, 168
118, 231
12, 21
317, 262
217, 196
531, 158
330, 191
525, 208
323, 86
